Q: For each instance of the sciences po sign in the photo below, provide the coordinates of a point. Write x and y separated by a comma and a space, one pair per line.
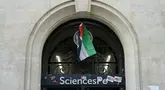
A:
81, 79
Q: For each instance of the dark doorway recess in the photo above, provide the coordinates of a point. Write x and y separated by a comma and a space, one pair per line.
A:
59, 56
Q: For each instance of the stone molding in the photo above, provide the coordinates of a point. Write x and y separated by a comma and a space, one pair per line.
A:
67, 11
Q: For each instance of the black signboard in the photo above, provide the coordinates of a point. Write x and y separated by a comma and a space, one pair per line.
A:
81, 79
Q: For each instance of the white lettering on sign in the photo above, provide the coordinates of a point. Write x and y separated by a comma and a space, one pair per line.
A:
84, 80
154, 87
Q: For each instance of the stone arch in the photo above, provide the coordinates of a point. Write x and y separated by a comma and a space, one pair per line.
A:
66, 11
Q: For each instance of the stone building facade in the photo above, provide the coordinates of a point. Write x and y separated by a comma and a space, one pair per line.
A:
26, 24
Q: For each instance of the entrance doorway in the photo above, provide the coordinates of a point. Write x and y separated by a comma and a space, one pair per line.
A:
59, 56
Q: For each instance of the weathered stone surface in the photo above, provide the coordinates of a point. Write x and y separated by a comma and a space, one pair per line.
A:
18, 17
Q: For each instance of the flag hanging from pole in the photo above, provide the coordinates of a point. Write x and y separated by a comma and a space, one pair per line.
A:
85, 46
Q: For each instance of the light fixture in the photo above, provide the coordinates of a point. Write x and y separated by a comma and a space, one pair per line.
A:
105, 68
108, 58
58, 58
60, 66
62, 71
106, 65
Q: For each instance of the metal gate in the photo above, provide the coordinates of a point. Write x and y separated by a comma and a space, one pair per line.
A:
59, 55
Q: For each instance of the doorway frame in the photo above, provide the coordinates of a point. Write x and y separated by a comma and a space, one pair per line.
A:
65, 12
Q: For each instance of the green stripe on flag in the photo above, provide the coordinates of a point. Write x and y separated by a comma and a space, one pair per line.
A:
87, 42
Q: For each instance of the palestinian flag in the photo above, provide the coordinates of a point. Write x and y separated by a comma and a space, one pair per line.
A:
85, 46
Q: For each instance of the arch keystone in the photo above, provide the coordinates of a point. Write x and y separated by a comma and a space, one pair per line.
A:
83, 5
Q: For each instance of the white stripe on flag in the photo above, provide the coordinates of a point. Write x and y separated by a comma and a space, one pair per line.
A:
83, 53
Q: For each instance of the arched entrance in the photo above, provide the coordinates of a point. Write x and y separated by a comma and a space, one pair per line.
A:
59, 56
65, 12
